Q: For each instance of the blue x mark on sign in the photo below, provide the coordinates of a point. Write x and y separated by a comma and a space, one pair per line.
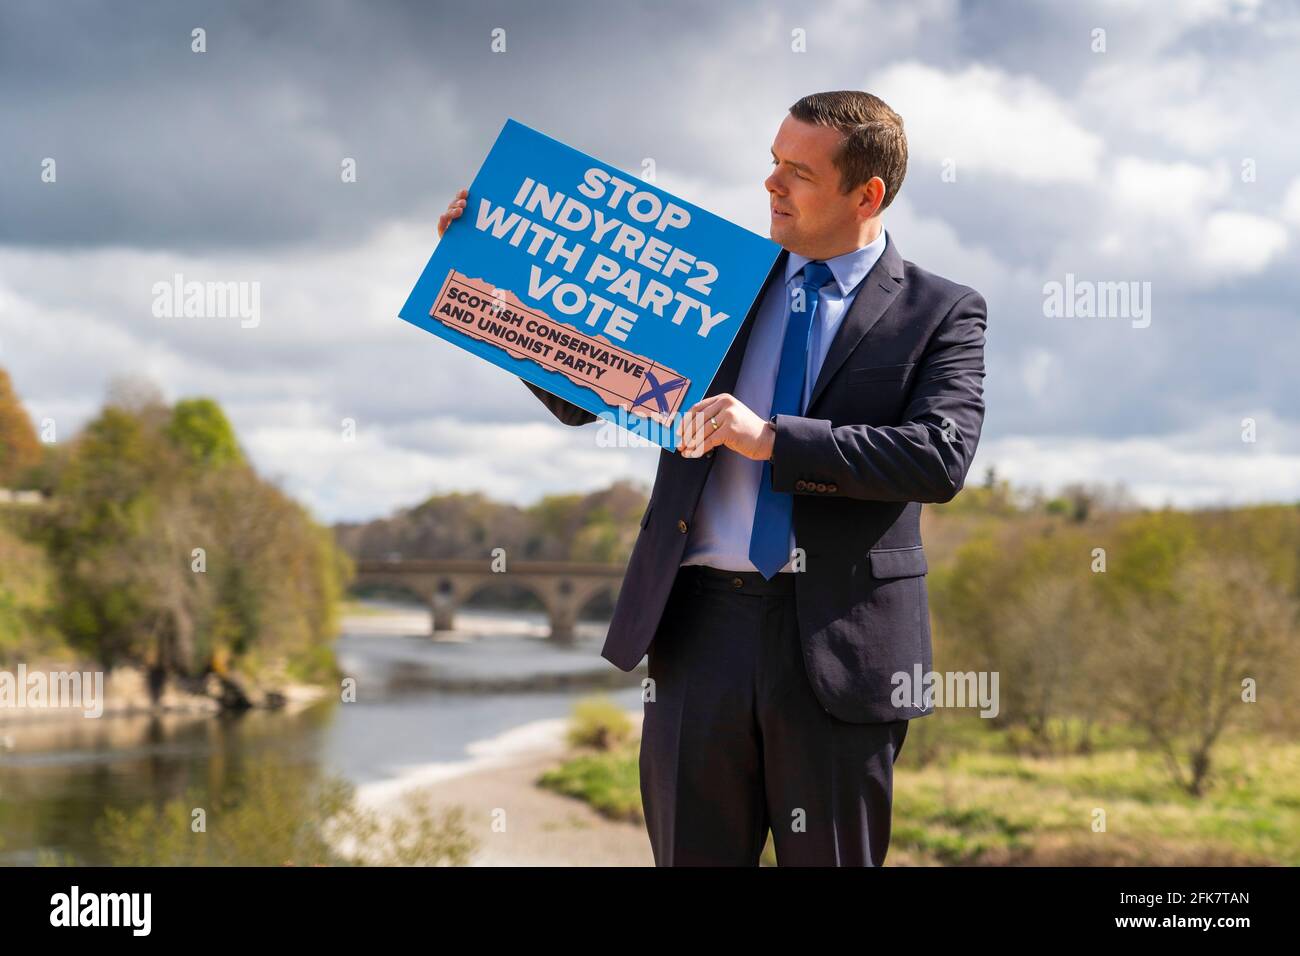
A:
659, 392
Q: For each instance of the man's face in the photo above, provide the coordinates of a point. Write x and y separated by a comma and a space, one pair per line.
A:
810, 216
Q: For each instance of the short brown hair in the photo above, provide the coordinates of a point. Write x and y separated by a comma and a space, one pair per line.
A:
874, 142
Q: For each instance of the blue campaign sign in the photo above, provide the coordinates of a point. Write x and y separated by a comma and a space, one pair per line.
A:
590, 283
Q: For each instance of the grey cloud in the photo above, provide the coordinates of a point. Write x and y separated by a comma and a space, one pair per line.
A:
228, 163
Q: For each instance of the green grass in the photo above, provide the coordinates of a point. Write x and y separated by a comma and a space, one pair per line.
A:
599, 723
608, 780
963, 796
988, 806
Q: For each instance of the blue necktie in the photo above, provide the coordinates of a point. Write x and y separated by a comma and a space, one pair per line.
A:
769, 542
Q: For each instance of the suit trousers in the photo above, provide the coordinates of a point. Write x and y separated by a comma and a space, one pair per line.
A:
734, 741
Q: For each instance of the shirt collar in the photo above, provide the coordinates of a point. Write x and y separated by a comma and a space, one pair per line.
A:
848, 269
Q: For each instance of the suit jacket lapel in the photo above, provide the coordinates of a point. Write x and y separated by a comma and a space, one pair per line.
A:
879, 287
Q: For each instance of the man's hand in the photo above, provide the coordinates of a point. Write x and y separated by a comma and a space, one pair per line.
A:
454, 209
724, 420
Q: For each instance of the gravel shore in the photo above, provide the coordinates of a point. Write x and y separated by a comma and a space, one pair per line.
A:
496, 782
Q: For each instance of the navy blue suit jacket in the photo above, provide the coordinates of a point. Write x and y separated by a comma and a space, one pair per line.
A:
893, 422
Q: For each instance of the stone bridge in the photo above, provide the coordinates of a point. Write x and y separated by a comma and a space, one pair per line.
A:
562, 587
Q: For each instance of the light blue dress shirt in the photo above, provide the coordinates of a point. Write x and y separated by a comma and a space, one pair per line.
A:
724, 519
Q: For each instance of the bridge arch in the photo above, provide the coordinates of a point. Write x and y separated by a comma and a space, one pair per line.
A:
563, 588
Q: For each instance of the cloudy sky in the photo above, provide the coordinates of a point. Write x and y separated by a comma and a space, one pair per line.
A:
1112, 142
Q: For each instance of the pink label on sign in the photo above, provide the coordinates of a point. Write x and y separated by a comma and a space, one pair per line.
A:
620, 378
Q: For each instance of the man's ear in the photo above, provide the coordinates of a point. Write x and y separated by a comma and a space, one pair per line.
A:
871, 195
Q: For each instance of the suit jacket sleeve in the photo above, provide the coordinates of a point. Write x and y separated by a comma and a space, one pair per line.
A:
565, 411
926, 457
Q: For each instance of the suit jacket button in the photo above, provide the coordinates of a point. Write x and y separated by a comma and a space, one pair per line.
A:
832, 488
737, 583
681, 525
820, 486
800, 485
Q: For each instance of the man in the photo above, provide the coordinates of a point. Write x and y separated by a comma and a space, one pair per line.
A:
778, 581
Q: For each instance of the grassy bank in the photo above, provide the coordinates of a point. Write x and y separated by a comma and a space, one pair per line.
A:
964, 795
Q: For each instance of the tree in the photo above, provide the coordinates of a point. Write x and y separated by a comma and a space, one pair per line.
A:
1179, 671
1020, 602
26, 597
200, 429
173, 553
1079, 500
20, 450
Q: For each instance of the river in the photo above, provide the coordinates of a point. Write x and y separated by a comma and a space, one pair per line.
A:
419, 703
